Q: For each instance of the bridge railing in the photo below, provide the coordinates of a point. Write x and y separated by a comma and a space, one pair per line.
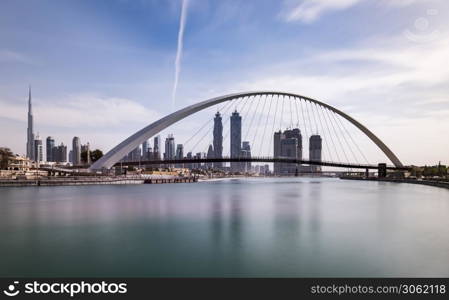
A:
266, 159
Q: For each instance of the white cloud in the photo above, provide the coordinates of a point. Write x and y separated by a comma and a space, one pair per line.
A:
12, 56
308, 11
82, 111
397, 88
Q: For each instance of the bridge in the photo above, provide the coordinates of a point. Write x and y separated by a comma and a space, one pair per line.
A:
337, 145
257, 159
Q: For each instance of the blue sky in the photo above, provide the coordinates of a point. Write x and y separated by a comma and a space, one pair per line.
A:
104, 69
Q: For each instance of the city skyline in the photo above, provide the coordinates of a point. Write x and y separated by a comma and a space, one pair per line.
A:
401, 97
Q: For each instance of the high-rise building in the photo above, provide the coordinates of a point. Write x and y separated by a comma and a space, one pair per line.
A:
189, 156
315, 145
157, 148
210, 155
218, 139
30, 134
150, 154
246, 152
38, 151
71, 156
135, 155
50, 144
170, 148
287, 144
59, 153
295, 133
76, 151
236, 140
277, 150
145, 147
86, 148
179, 154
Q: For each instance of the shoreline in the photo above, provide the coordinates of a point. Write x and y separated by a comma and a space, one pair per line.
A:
92, 181
434, 183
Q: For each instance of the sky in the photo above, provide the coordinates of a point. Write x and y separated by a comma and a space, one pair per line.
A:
103, 69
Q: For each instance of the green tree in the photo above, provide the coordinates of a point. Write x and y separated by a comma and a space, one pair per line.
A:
96, 155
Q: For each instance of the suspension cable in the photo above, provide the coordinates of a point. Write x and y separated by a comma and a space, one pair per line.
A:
341, 144
332, 139
305, 125
252, 118
357, 146
208, 131
207, 122
265, 127
326, 143
258, 124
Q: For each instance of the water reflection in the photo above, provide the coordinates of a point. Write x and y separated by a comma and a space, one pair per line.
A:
243, 227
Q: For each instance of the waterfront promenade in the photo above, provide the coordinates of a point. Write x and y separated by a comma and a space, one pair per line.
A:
100, 180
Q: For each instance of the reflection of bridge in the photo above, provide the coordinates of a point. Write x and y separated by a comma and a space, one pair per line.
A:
322, 118
256, 159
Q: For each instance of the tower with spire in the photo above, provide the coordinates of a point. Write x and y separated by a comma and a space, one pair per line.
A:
30, 133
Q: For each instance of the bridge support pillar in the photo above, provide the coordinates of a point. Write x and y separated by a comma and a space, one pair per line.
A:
366, 173
382, 170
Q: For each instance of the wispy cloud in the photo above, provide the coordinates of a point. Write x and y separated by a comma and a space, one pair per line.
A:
82, 111
307, 11
12, 56
182, 23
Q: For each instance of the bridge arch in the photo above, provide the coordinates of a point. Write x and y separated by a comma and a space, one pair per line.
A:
126, 146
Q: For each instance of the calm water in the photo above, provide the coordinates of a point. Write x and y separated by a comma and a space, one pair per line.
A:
244, 227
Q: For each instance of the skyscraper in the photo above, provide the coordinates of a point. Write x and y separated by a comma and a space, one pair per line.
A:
170, 147
30, 133
315, 145
210, 154
236, 139
277, 150
86, 148
145, 147
76, 151
135, 155
189, 156
218, 140
179, 154
246, 152
179, 151
50, 144
157, 147
287, 144
38, 151
59, 153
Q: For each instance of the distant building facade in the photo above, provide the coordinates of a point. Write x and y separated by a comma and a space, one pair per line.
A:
218, 140
30, 133
246, 153
76, 151
236, 140
50, 144
315, 146
38, 150
86, 148
287, 144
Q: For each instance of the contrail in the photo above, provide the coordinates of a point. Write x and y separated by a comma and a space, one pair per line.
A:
182, 23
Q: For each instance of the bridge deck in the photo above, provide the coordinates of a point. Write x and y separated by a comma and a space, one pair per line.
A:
256, 159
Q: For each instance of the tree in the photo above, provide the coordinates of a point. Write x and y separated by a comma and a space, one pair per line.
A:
84, 156
5, 154
94, 155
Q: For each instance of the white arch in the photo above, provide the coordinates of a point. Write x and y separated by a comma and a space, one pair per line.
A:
122, 149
